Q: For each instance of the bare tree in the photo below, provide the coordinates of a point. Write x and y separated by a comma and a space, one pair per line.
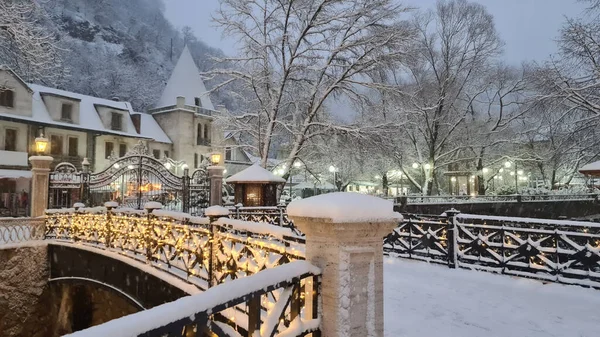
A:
27, 46
457, 43
295, 56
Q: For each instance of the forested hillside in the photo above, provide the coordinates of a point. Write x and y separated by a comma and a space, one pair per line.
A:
116, 49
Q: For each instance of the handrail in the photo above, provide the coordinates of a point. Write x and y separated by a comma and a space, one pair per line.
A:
16, 230
199, 312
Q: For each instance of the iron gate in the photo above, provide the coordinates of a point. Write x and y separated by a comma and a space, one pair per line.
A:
131, 180
64, 188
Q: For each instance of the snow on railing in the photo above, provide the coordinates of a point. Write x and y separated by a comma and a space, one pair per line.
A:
195, 249
288, 292
454, 199
16, 230
550, 250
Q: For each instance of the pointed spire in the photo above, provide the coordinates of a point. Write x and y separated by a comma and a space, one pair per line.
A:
185, 81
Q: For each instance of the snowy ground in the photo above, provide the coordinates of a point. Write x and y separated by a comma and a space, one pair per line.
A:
423, 300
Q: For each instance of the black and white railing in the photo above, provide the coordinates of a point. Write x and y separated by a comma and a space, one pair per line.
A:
550, 250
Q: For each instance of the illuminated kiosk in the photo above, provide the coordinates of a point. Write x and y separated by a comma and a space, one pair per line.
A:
255, 186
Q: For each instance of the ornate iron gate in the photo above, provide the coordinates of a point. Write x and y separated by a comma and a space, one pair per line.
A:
64, 188
131, 180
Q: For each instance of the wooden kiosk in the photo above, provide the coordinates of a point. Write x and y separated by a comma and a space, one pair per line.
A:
255, 186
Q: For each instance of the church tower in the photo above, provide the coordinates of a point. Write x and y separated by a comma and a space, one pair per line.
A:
186, 113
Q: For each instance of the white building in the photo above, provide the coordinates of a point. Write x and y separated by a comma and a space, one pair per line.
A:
180, 127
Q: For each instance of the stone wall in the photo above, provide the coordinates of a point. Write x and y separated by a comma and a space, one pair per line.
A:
31, 306
549, 209
25, 300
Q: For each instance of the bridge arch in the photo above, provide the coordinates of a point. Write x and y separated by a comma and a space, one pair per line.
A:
141, 286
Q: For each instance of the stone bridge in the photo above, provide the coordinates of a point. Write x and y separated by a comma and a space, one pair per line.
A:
93, 265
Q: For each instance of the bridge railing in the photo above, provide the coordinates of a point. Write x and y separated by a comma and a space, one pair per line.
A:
280, 301
199, 250
16, 230
551, 250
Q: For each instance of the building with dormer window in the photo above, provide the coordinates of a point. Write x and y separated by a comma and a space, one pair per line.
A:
180, 126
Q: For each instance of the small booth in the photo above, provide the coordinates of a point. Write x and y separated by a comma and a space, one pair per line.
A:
592, 172
255, 186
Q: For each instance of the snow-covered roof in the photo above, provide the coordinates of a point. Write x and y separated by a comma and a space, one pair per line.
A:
185, 81
254, 174
345, 207
591, 168
88, 115
149, 128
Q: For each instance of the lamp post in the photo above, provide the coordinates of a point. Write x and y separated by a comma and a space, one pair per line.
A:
40, 177
215, 174
334, 170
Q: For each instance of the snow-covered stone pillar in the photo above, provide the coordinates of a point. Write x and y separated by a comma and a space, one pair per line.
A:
344, 237
215, 174
40, 178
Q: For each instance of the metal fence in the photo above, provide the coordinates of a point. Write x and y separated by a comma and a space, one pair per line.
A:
453, 199
203, 252
550, 250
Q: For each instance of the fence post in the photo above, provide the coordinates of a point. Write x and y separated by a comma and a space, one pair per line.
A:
149, 231
213, 213
110, 205
85, 181
40, 179
215, 174
185, 198
348, 248
452, 237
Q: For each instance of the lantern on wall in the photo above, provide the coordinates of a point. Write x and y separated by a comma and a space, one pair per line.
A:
41, 144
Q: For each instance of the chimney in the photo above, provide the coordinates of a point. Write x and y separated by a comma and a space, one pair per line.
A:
180, 102
137, 122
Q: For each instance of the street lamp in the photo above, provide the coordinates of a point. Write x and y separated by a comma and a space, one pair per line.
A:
507, 164
41, 144
334, 170
215, 158
415, 165
427, 166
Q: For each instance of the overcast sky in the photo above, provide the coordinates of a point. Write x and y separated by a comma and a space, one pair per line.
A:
528, 27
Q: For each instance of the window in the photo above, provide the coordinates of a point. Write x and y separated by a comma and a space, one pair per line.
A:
199, 135
66, 112
116, 121
56, 145
197, 101
156, 154
7, 98
167, 154
109, 147
195, 160
227, 153
10, 140
73, 146
122, 150
206, 135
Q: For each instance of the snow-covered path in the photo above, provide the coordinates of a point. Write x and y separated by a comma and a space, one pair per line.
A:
423, 300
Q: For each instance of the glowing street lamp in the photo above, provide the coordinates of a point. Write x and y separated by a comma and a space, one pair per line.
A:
427, 166
41, 144
507, 164
332, 169
485, 170
415, 165
215, 158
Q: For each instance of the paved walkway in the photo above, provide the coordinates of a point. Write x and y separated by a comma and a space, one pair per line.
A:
425, 300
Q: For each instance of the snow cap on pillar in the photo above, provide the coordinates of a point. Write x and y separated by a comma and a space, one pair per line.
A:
344, 207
